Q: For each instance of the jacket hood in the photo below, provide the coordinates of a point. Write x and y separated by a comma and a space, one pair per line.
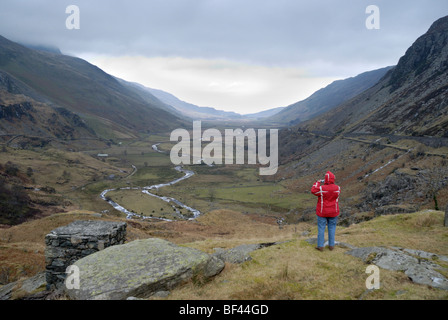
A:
329, 178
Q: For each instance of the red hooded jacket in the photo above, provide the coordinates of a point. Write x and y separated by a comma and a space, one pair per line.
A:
328, 196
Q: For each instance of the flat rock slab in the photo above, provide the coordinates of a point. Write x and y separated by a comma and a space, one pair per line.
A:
95, 228
416, 264
27, 287
140, 269
384, 258
240, 253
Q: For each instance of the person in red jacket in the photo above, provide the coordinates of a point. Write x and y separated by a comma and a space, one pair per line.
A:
327, 209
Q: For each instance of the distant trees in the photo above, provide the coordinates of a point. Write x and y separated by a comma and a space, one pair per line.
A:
14, 204
445, 221
211, 195
11, 168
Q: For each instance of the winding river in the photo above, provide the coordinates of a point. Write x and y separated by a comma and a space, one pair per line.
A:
175, 204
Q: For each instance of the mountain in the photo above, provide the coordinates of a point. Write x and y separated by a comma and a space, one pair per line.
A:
147, 96
191, 110
264, 114
110, 107
328, 97
50, 49
207, 113
411, 99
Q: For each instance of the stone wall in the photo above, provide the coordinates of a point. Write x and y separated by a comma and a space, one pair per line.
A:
67, 244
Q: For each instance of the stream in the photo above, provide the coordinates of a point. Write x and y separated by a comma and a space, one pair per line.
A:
172, 201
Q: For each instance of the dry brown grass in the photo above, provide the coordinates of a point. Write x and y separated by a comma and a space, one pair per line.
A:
295, 270
22, 247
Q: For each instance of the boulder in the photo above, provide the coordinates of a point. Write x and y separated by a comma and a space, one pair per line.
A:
139, 269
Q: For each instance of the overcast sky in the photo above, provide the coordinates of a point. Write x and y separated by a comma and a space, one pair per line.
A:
237, 55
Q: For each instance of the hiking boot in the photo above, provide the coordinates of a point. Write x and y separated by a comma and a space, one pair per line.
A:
320, 248
331, 248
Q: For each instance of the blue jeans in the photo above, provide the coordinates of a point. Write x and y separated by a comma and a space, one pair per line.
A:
321, 224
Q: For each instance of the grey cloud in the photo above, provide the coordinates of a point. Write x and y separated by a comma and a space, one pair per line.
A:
269, 32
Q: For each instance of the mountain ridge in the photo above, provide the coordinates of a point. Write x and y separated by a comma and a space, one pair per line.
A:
193, 110
411, 99
83, 88
328, 97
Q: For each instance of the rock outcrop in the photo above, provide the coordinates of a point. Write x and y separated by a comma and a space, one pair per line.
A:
403, 190
16, 111
419, 266
140, 269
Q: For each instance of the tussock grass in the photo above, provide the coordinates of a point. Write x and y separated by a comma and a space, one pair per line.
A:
426, 219
421, 231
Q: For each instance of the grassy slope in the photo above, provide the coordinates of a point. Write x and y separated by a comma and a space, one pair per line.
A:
293, 270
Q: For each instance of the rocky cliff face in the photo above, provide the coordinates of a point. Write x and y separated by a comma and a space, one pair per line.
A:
16, 111
425, 58
23, 116
419, 88
404, 190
